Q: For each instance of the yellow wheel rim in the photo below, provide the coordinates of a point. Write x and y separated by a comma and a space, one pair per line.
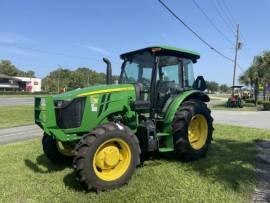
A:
112, 159
64, 149
198, 131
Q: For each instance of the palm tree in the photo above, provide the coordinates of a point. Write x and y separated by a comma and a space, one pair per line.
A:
250, 77
265, 69
258, 74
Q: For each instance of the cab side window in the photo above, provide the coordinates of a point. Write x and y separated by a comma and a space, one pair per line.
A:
188, 71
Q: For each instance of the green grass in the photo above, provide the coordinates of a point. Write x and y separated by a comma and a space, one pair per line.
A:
225, 175
12, 116
221, 106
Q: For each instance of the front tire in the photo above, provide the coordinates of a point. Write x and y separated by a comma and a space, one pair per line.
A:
53, 149
107, 157
192, 130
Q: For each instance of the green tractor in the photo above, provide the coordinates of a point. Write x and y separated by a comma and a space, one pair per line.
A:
156, 107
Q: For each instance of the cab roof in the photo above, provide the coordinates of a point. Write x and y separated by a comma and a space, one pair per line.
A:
166, 50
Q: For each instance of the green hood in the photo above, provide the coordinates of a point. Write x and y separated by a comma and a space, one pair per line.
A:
94, 90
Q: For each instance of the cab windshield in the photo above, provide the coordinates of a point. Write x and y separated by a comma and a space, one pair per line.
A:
138, 69
171, 71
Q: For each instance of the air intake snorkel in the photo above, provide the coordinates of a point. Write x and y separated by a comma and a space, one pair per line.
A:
109, 71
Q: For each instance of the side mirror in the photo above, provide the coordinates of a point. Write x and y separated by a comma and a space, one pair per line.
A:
199, 83
109, 71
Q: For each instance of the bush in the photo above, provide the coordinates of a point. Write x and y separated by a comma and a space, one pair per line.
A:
265, 105
250, 101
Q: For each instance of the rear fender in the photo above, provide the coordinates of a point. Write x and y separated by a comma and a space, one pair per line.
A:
191, 94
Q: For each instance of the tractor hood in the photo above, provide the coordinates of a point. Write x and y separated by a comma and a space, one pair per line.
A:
94, 90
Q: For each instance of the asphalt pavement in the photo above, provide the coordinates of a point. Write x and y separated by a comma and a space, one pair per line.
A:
16, 134
256, 119
14, 101
262, 190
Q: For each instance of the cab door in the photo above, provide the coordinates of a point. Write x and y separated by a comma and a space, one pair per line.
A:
169, 81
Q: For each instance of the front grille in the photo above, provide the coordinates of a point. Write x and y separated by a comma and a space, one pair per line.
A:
69, 113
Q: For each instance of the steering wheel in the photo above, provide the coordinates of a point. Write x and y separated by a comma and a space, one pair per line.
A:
145, 82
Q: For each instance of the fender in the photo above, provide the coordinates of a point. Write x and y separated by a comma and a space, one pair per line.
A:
191, 94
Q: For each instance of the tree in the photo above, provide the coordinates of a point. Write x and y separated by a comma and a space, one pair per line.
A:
7, 68
212, 86
72, 79
30, 74
224, 88
258, 74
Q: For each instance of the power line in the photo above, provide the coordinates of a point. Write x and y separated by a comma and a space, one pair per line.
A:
233, 21
224, 11
211, 22
222, 17
193, 32
229, 12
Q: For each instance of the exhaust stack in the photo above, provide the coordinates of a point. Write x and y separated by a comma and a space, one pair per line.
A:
108, 71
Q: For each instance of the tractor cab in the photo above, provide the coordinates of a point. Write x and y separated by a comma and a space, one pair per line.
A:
159, 74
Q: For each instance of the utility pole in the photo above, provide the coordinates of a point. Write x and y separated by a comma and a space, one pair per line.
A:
235, 56
58, 80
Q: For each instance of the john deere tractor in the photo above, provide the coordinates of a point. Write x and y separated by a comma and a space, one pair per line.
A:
156, 107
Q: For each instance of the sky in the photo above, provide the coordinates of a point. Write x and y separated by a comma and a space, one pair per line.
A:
44, 35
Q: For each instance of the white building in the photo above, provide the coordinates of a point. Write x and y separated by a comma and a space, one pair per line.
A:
29, 84
12, 83
8, 83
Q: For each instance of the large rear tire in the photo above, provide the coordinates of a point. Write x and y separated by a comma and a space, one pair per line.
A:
107, 157
192, 130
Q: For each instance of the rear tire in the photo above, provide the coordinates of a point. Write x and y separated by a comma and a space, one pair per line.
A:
50, 149
106, 157
192, 130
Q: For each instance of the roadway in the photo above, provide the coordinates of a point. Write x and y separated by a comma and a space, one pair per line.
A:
15, 101
254, 119
21, 133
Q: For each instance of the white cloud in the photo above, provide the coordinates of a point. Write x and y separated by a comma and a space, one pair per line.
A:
15, 50
95, 49
9, 37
